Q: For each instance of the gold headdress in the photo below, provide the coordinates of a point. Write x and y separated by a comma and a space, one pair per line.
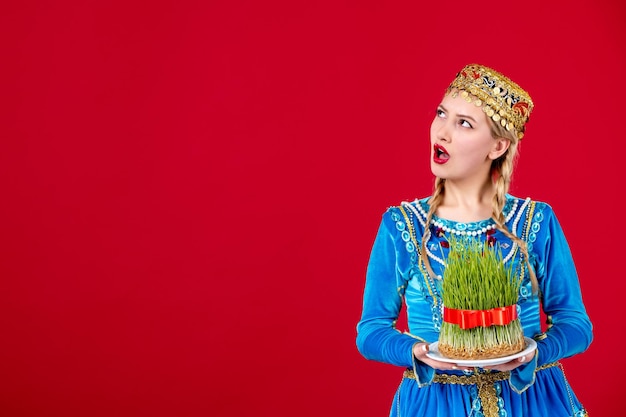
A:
500, 98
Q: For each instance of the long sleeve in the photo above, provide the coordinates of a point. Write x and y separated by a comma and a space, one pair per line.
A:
571, 329
377, 337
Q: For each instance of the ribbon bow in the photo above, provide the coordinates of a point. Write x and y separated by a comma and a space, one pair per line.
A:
468, 319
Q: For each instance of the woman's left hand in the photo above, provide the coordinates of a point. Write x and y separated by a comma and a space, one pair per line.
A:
509, 366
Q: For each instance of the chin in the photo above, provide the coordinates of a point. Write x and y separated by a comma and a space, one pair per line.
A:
437, 171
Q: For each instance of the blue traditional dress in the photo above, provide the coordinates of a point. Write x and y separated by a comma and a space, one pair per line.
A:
395, 275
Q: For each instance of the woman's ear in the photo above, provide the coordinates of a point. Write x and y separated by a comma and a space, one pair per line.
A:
501, 145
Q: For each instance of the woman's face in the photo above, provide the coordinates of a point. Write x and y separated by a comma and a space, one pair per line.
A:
462, 145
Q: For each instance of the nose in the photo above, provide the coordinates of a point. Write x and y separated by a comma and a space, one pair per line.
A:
441, 130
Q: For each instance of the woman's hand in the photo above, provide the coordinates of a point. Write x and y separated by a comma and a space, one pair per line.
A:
421, 349
509, 366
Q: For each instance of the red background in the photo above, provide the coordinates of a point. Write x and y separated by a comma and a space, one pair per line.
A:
190, 190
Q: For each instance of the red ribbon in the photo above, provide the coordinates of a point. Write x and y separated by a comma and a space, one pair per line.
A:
467, 319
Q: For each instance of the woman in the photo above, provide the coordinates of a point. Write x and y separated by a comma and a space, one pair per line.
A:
474, 136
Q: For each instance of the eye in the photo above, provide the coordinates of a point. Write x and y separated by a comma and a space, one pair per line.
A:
465, 123
440, 113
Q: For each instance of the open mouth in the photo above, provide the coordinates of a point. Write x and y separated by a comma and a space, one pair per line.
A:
440, 155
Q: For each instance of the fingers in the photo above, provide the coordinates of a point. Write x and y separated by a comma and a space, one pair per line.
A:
526, 358
508, 366
420, 350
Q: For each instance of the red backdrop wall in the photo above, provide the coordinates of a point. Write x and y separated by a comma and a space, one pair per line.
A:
190, 190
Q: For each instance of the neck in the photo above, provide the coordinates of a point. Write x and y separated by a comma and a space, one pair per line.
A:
465, 203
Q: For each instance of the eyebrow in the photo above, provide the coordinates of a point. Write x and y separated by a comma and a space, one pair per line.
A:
462, 116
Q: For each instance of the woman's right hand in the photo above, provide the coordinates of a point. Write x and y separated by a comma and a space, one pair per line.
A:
421, 349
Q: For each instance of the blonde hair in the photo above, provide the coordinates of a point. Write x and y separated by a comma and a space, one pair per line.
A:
501, 174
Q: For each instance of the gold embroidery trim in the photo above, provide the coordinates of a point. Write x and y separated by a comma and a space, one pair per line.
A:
413, 236
484, 382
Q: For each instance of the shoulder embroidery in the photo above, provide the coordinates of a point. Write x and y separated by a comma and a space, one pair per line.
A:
417, 210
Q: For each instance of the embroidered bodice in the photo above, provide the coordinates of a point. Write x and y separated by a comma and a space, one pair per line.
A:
420, 290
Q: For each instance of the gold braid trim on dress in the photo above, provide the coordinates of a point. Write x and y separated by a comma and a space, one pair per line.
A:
484, 382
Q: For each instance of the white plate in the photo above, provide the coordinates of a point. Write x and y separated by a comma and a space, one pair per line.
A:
435, 354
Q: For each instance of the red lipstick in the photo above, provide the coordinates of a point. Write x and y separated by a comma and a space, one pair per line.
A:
440, 155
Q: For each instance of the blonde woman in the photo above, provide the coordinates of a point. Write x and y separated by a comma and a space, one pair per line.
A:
474, 135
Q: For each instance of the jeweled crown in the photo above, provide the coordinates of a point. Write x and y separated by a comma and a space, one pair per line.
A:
501, 99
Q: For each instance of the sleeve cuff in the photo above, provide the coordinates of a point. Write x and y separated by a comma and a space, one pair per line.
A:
424, 374
523, 376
